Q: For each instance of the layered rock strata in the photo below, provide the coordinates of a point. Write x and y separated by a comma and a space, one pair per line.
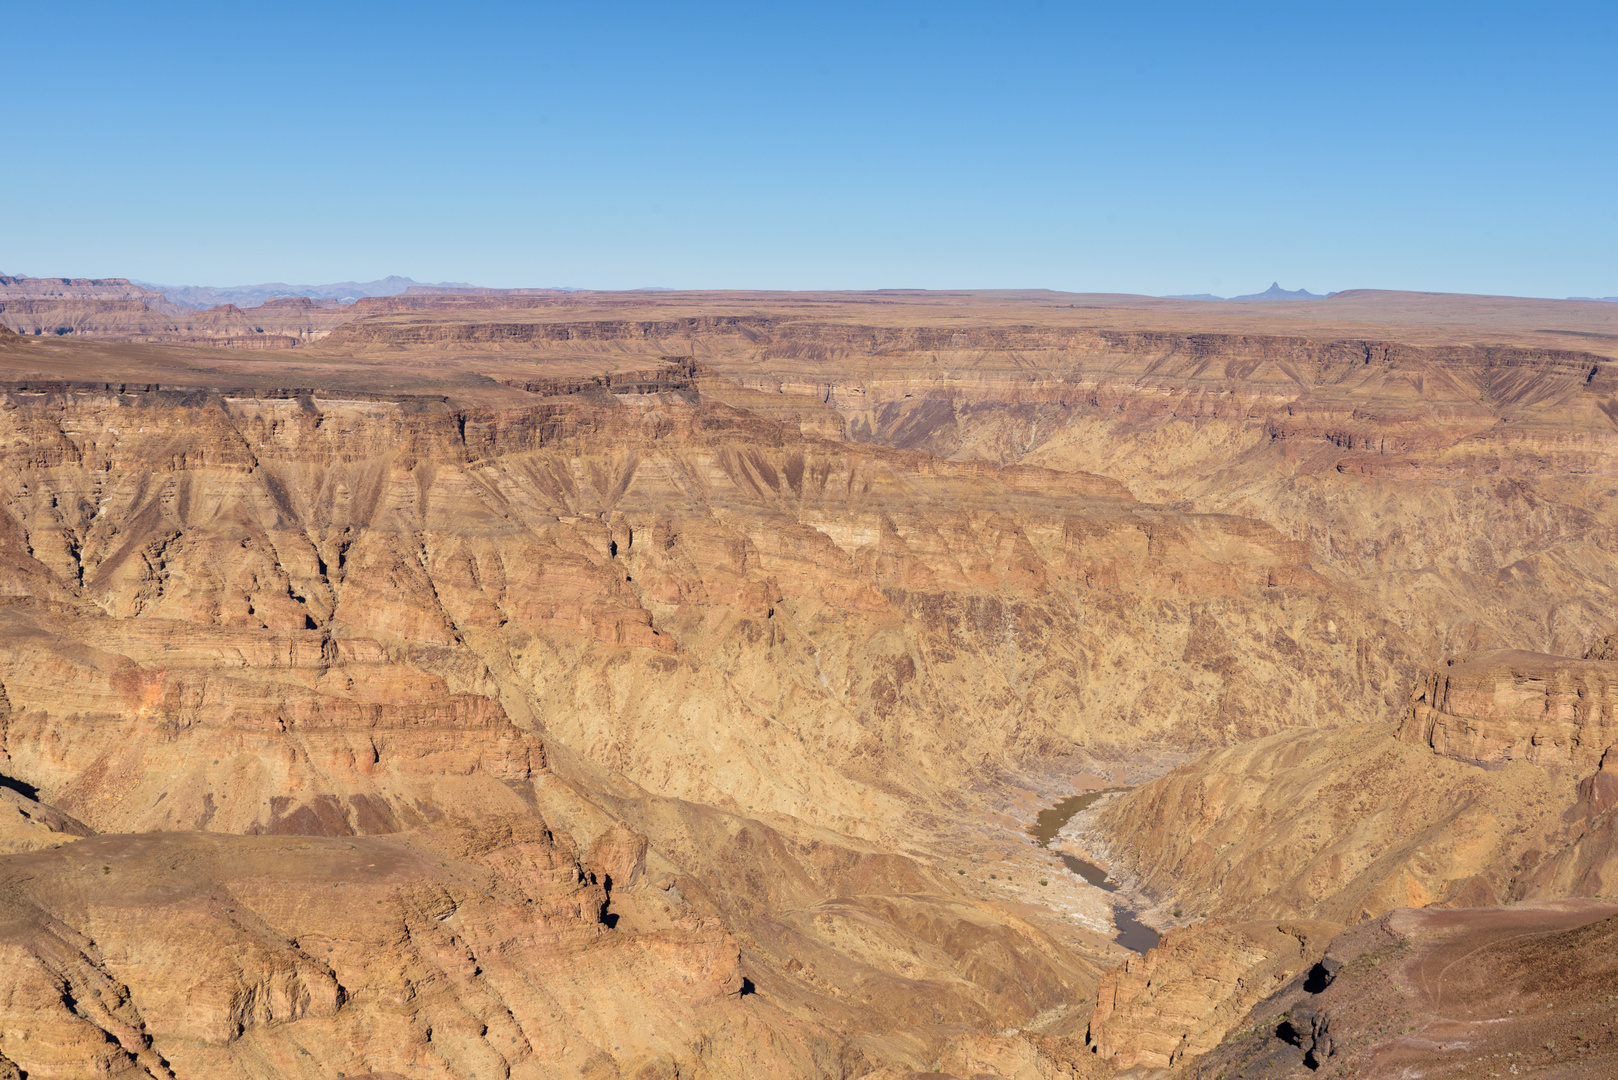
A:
1499, 760
745, 625
235, 615
447, 952
1553, 711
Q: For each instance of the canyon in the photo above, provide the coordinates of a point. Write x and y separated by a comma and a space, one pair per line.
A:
664, 684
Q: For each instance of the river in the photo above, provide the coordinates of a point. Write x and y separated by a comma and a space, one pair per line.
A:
1132, 933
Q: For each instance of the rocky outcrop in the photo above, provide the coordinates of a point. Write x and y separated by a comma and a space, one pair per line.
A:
27, 824
619, 856
1582, 859
1497, 784
1489, 791
1021, 1056
1179, 1000
444, 952
162, 734
1553, 711
1605, 649
1556, 712
1465, 992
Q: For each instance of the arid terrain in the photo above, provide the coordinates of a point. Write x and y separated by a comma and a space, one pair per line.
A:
665, 685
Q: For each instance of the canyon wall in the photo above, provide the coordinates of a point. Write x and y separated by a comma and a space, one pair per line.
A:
676, 654
1498, 787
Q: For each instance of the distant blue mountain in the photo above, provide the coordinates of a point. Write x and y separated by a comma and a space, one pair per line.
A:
345, 292
1274, 292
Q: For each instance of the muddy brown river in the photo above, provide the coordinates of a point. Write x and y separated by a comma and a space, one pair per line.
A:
1132, 933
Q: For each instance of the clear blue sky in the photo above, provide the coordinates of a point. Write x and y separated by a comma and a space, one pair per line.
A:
1136, 147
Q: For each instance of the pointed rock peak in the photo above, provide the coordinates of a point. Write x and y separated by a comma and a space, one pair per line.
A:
1275, 292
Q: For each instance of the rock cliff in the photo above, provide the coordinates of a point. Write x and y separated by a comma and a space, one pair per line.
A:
1553, 711
335, 618
1178, 1001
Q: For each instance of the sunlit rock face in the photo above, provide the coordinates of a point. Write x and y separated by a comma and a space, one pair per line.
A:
1510, 706
685, 592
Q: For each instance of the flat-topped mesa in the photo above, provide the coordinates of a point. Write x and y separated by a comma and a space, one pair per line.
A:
1512, 705
399, 333
399, 323
122, 312
16, 287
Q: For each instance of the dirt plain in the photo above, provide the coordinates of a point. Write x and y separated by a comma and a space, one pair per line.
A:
691, 667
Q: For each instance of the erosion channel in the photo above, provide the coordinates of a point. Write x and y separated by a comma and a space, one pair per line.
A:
1132, 933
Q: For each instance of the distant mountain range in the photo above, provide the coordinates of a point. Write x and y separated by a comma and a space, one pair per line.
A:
243, 296
1274, 292
202, 297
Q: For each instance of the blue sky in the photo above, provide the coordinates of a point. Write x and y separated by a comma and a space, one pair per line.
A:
1145, 147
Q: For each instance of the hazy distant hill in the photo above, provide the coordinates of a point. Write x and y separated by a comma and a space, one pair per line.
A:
244, 296
1274, 292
